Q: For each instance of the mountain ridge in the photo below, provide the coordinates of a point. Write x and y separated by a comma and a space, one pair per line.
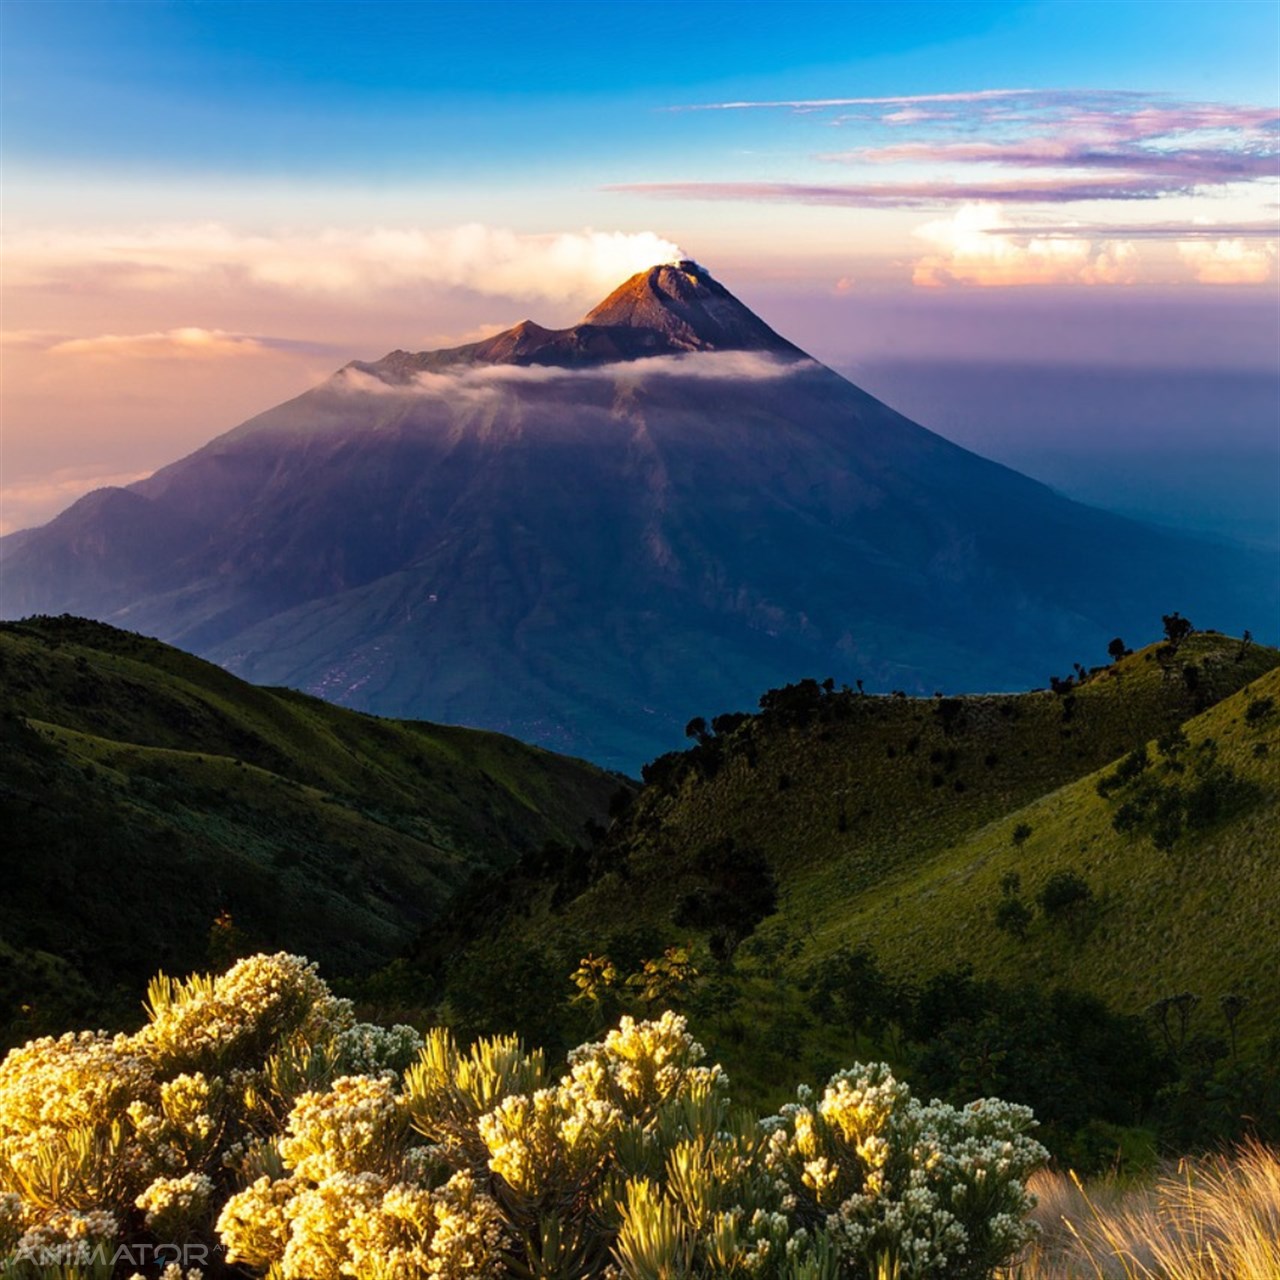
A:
829, 823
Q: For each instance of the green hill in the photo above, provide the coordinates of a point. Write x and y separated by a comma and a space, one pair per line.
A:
888, 823
145, 792
1193, 908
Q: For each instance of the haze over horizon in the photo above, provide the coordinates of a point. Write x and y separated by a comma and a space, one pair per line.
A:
1048, 250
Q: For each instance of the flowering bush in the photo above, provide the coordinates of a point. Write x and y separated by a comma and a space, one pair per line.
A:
931, 1189
254, 1112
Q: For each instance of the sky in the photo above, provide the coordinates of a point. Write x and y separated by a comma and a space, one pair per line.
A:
1048, 230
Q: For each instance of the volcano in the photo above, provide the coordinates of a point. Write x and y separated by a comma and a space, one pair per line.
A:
586, 536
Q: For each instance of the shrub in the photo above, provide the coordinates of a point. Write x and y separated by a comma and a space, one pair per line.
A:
1258, 710
302, 1148
1065, 895
1013, 916
1131, 767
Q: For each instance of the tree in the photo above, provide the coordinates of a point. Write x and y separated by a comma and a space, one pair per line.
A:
1013, 916
851, 988
1065, 896
1176, 628
738, 890
696, 728
1232, 1006
1117, 650
1021, 834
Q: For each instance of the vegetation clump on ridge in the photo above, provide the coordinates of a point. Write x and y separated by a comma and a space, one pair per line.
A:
253, 1114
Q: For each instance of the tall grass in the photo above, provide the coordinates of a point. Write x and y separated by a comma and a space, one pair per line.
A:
1213, 1218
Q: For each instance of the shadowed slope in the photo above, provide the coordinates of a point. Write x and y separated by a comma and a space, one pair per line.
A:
889, 823
145, 791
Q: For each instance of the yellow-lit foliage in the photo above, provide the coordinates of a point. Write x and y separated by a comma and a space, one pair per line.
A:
1216, 1218
254, 1112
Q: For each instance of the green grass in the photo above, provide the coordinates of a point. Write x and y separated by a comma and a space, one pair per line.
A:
1202, 916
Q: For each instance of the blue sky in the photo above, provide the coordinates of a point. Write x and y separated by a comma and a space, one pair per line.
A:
208, 206
408, 90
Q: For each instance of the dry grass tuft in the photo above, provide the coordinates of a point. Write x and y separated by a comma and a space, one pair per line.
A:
1214, 1218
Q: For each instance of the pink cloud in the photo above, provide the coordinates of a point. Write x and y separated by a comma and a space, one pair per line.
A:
897, 195
1148, 145
1202, 165
915, 115
186, 343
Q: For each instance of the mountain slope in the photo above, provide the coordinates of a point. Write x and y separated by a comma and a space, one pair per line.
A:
888, 822
145, 791
575, 535
1201, 915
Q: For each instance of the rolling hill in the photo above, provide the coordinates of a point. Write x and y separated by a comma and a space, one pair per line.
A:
891, 823
146, 791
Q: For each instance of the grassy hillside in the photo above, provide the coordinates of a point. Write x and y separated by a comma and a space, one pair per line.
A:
840, 791
889, 823
1200, 914
146, 791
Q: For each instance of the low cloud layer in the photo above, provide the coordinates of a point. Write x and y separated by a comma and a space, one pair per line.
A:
979, 246
1229, 261
973, 247
485, 381
347, 262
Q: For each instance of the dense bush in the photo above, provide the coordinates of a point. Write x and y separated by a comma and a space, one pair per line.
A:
253, 1111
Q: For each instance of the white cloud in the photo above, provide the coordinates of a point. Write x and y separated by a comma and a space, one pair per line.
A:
186, 343
30, 339
974, 247
487, 380
1228, 261
488, 260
